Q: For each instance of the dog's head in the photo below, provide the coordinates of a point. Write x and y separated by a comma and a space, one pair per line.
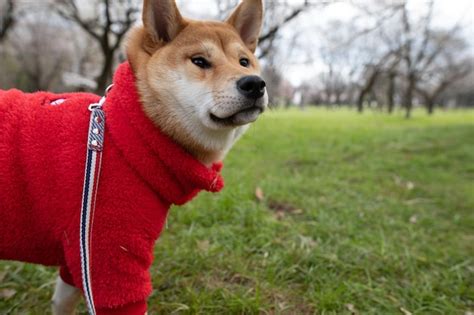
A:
199, 80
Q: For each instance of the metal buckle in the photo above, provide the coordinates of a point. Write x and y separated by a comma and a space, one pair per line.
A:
102, 100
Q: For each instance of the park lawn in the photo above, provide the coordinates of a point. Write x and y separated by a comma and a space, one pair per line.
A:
362, 214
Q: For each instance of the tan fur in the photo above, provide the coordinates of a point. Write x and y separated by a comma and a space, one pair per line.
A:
160, 56
247, 19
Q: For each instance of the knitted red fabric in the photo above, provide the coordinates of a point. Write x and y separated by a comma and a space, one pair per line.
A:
138, 308
42, 157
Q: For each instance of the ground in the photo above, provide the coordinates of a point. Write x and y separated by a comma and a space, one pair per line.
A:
324, 212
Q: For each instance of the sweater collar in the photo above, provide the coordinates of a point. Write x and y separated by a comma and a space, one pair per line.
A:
164, 165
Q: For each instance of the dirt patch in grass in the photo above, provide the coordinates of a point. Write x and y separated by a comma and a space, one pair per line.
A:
288, 304
229, 281
282, 209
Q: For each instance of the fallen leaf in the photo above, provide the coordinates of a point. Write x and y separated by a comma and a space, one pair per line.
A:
259, 194
203, 245
181, 307
400, 182
405, 312
413, 219
469, 313
7, 293
410, 185
297, 211
351, 308
282, 306
390, 297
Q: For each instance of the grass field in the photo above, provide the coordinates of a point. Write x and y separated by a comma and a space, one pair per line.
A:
362, 214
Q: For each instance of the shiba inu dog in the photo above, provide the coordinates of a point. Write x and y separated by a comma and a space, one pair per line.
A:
188, 91
203, 74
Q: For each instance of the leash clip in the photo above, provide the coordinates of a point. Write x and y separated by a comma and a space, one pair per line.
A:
97, 124
99, 105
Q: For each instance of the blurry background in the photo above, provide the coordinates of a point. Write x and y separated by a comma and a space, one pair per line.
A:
325, 211
379, 54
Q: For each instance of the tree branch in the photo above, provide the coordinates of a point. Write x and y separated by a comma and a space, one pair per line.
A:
69, 11
274, 30
8, 20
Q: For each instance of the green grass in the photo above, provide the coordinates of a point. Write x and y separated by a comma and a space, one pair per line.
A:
369, 210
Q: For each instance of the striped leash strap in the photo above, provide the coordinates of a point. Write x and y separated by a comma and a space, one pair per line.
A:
95, 144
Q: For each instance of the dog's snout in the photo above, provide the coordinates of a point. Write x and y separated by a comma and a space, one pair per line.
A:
251, 86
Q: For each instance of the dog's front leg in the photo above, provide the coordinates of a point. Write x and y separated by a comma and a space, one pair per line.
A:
65, 298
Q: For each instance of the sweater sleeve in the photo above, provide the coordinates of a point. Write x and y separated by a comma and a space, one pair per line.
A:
119, 268
138, 308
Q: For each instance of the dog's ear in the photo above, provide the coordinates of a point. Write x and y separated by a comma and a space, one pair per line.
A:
162, 21
247, 19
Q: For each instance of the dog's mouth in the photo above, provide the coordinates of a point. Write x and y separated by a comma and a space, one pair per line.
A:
242, 117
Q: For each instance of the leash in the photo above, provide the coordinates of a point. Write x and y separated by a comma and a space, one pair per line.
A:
95, 144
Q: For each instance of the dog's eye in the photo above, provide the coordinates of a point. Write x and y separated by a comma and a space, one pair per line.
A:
244, 62
201, 62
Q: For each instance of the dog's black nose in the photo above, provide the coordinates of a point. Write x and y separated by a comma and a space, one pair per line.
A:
251, 86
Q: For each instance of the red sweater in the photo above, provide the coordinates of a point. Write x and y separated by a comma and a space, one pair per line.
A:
42, 157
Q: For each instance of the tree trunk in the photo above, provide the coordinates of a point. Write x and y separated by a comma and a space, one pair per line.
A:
106, 72
366, 89
7, 19
408, 108
430, 105
391, 92
360, 102
338, 99
408, 98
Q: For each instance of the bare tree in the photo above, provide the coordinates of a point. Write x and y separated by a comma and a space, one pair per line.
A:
391, 76
422, 48
407, 55
7, 18
446, 70
357, 53
408, 50
461, 93
107, 23
373, 72
40, 62
277, 16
